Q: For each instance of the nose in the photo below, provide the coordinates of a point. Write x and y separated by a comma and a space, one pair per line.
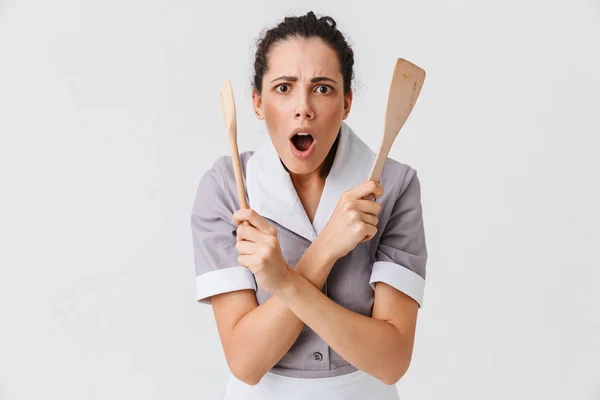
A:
304, 111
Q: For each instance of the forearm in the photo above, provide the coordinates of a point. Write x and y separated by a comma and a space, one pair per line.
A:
266, 333
371, 345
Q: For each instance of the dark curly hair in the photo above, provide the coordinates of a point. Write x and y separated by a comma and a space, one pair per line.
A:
305, 26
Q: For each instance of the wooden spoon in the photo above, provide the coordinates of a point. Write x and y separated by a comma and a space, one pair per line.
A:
406, 85
229, 119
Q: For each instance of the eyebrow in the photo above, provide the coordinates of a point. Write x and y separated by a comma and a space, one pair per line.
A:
295, 79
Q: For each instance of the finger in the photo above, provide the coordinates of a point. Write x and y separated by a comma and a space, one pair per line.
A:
368, 206
369, 219
250, 233
250, 261
245, 247
255, 219
371, 232
367, 238
366, 188
245, 223
239, 217
245, 260
369, 197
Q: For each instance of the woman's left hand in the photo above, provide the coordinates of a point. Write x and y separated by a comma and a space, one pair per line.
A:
259, 250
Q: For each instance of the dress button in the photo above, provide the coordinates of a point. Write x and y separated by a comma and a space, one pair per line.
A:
318, 356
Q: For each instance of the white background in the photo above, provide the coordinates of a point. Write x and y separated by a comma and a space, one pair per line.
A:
110, 114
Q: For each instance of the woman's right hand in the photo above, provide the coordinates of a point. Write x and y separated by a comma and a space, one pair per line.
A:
354, 220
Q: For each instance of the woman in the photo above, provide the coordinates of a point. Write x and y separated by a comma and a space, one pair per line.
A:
317, 297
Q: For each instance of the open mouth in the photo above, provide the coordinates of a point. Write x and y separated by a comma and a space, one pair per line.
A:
302, 141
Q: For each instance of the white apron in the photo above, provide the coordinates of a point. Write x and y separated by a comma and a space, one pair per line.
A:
356, 385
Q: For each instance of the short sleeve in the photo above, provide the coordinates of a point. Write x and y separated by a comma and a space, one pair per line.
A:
402, 252
214, 240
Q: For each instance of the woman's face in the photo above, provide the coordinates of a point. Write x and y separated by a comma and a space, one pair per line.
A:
303, 92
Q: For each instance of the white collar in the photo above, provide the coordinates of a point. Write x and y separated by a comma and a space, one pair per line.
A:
271, 192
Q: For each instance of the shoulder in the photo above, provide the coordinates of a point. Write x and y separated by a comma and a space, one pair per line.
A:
222, 169
397, 177
217, 186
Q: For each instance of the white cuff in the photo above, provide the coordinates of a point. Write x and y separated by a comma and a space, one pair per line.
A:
223, 281
399, 277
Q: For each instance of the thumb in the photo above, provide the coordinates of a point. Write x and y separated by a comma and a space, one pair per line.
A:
364, 189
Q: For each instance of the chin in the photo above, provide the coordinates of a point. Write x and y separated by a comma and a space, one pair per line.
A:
301, 167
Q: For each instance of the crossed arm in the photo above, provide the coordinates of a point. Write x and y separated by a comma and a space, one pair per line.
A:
380, 345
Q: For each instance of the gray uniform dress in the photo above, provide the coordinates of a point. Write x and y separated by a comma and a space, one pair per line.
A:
397, 255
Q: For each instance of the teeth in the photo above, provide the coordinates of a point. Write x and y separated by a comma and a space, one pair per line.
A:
303, 134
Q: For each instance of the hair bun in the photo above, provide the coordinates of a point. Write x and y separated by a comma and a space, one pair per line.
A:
328, 20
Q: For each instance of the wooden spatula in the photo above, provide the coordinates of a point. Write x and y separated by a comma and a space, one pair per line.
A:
406, 85
229, 119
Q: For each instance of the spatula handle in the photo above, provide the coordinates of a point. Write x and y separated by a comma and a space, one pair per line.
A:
377, 169
237, 170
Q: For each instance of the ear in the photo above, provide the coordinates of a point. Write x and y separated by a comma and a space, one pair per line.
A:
347, 104
257, 104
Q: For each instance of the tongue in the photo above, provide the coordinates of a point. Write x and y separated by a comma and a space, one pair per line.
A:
303, 142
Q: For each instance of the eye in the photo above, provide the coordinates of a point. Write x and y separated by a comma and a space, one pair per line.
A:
283, 85
328, 89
